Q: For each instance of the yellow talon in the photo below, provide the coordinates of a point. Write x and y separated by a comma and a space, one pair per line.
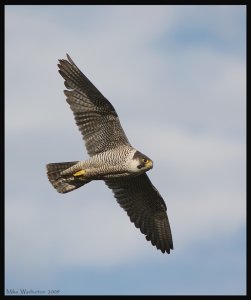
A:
79, 173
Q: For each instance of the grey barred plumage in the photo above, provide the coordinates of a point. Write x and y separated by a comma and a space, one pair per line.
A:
112, 159
95, 116
104, 165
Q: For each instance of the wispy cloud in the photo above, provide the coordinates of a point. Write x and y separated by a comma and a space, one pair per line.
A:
177, 81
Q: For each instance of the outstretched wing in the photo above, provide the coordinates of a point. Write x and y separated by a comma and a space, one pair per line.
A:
95, 116
145, 207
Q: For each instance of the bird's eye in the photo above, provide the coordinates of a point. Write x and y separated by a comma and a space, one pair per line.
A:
145, 160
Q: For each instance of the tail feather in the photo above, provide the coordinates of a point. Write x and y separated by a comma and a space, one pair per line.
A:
64, 183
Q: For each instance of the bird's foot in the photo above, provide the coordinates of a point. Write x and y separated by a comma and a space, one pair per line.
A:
79, 173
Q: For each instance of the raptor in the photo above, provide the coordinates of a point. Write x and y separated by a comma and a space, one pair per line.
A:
112, 159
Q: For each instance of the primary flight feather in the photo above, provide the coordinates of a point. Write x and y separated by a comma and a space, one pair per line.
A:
112, 159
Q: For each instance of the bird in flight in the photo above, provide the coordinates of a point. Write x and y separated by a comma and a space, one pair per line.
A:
112, 159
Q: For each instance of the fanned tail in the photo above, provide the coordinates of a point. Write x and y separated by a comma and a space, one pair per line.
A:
64, 183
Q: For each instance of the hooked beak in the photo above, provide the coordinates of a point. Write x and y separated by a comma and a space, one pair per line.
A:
149, 164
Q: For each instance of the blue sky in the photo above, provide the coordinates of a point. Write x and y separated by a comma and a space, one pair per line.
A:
176, 76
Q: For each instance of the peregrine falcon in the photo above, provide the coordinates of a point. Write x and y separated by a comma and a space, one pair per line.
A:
112, 159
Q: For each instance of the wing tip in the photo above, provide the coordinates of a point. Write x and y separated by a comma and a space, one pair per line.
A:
163, 246
63, 61
165, 250
68, 57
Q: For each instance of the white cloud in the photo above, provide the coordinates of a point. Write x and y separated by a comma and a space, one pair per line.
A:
184, 108
198, 86
87, 228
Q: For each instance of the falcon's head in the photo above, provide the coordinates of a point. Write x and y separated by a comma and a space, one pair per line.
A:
140, 163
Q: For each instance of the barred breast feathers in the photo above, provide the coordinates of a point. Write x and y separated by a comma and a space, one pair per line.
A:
112, 163
118, 156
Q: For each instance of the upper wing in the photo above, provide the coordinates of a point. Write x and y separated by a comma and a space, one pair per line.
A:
145, 207
94, 114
